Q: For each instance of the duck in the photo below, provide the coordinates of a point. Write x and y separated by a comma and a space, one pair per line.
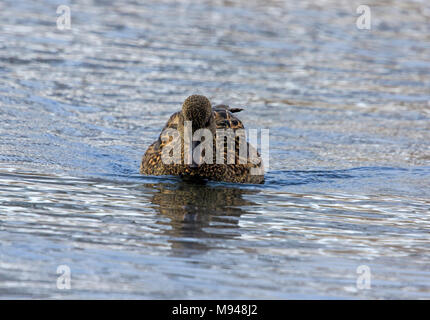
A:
194, 160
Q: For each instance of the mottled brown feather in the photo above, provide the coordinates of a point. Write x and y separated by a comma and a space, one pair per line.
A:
237, 172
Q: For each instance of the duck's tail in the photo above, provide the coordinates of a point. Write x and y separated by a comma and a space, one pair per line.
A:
233, 110
226, 107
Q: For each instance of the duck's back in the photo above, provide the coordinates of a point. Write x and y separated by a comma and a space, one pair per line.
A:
225, 119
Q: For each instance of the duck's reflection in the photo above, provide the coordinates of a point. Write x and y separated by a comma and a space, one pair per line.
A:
199, 214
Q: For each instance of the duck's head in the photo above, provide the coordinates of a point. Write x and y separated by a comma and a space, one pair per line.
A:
198, 110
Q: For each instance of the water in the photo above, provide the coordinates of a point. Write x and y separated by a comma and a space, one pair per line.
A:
349, 118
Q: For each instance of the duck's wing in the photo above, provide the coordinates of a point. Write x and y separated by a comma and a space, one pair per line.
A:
151, 161
225, 119
172, 123
240, 169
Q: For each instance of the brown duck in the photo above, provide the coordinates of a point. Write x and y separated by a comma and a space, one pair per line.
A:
233, 167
